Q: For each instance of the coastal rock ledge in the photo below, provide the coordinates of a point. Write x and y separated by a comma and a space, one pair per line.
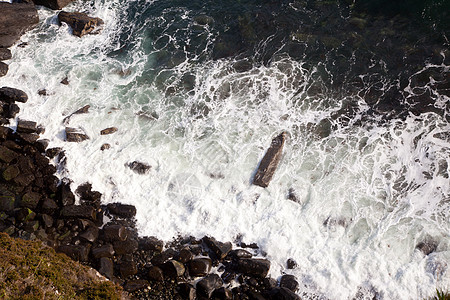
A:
80, 23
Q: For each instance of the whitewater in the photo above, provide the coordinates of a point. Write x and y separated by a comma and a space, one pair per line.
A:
349, 202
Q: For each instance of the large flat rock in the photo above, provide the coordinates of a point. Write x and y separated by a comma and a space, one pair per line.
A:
15, 20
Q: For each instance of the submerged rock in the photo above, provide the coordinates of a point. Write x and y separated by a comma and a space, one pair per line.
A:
75, 135
15, 20
139, 167
109, 130
105, 146
269, 162
3, 69
80, 23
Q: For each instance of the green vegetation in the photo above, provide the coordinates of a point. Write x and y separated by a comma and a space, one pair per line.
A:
441, 295
30, 270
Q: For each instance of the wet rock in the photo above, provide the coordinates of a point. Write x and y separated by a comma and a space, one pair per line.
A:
105, 146
76, 252
47, 220
65, 81
11, 111
41, 145
269, 283
207, 285
7, 203
106, 267
90, 234
3, 69
7, 155
15, 20
184, 256
48, 206
122, 210
128, 268
30, 138
139, 167
219, 249
289, 282
30, 200
53, 4
111, 233
5, 54
254, 267
222, 294
186, 291
283, 294
125, 247
80, 23
155, 273
88, 196
25, 214
83, 110
10, 172
173, 269
200, 266
160, 259
43, 92
11, 95
135, 285
240, 253
78, 211
26, 126
291, 264
427, 246
103, 251
52, 152
75, 135
151, 244
269, 162
64, 193
109, 130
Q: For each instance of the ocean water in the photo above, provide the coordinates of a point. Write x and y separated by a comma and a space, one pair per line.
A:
197, 90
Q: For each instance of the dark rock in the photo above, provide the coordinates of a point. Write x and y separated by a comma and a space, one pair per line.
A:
200, 266
103, 251
7, 203
10, 172
12, 146
160, 259
186, 291
88, 196
76, 252
80, 23
11, 111
207, 285
106, 267
47, 220
184, 256
15, 20
254, 267
109, 130
173, 269
105, 146
122, 210
427, 246
283, 294
31, 226
222, 294
269, 283
218, 248
65, 81
269, 162
41, 145
111, 233
291, 264
5, 54
150, 243
75, 135
52, 152
30, 200
24, 179
135, 285
128, 268
139, 167
26, 126
155, 273
11, 95
53, 4
240, 253
48, 206
78, 211
289, 282
7, 155
5, 132
228, 276
125, 247
42, 92
83, 110
3, 69
30, 138
90, 234
64, 193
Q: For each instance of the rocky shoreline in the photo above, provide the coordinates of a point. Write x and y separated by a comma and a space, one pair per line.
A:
36, 205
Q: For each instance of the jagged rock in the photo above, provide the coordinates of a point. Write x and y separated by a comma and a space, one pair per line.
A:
10, 172
103, 251
125, 247
105, 146
109, 130
5, 132
11, 95
160, 259
52, 152
135, 285
122, 210
128, 268
25, 215
53, 4
11, 111
15, 20
291, 264
64, 193
48, 206
26, 126
207, 285
219, 249
47, 220
7, 203
88, 196
83, 110
200, 266
186, 291
155, 273
3, 69
41, 145
269, 162
184, 256
269, 283
254, 267
7, 155
78, 211
150, 243
80, 23
90, 234
239, 253
65, 81
111, 233
5, 54
43, 92
427, 246
222, 294
106, 267
283, 294
30, 200
76, 252
139, 167
30, 138
173, 269
75, 135
289, 282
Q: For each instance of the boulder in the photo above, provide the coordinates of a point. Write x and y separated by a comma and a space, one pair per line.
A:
207, 285
283, 294
26, 126
427, 246
127, 269
65, 81
87, 195
11, 95
30, 200
155, 273
47, 220
75, 135
5, 54
106, 267
184, 255
111, 233
269, 162
3, 69
103, 251
78, 211
186, 291
76, 252
239, 253
222, 294
83, 110
80, 23
122, 210
7, 203
52, 152
200, 266
109, 130
7, 155
48, 206
289, 282
11, 111
30, 138
125, 247
160, 259
90, 234
10, 172
135, 285
105, 146
139, 167
218, 248
64, 194
173, 269
53, 4
256, 267
150, 243
291, 263
15, 20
